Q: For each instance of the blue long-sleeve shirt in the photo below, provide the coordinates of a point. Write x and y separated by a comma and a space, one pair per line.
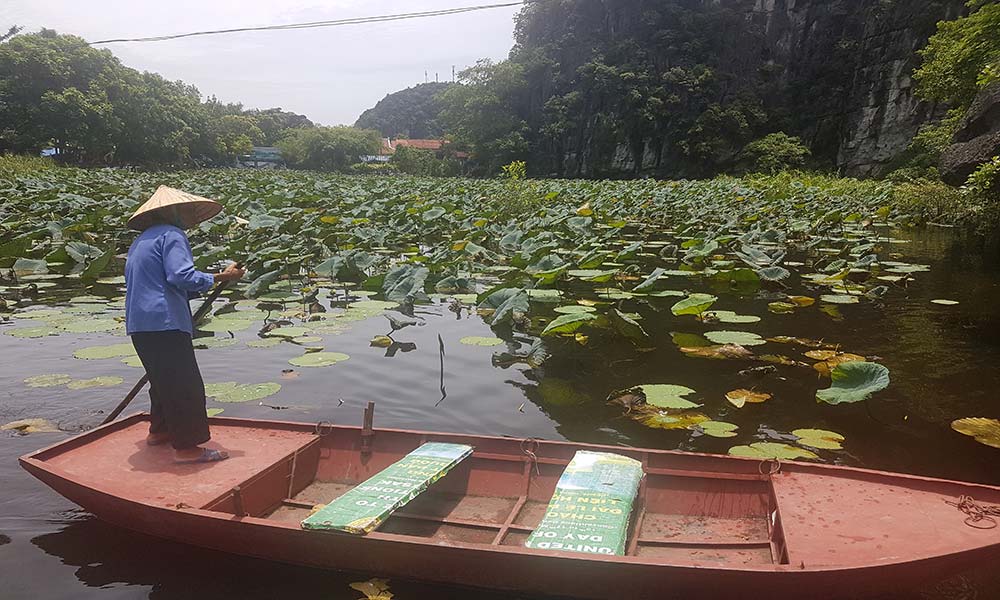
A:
159, 275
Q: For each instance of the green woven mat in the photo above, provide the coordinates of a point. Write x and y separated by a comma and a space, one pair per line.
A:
589, 511
366, 506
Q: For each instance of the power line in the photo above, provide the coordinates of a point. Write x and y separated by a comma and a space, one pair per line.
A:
316, 24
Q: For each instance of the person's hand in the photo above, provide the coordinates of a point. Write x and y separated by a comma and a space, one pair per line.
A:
231, 273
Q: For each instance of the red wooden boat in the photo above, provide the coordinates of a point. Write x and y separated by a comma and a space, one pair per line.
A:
702, 525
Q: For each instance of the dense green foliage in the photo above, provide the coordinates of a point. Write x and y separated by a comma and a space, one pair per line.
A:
327, 148
410, 113
57, 91
962, 57
774, 152
418, 161
671, 89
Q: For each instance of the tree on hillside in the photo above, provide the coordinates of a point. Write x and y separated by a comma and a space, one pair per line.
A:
481, 114
962, 57
274, 122
328, 148
410, 113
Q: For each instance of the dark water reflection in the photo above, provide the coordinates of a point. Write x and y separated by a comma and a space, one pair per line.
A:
943, 362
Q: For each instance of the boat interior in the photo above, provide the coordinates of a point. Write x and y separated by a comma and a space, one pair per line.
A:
687, 508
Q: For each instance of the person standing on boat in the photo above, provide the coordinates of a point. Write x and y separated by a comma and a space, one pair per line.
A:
160, 279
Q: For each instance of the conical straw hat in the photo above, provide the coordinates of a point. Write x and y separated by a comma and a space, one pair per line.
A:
191, 209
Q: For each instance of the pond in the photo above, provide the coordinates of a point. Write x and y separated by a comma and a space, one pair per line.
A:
445, 368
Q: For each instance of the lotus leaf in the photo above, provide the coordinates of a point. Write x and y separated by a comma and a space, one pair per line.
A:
771, 450
742, 338
318, 359
854, 382
839, 299
983, 430
574, 308
106, 381
728, 316
567, 323
47, 380
659, 420
695, 304
719, 352
101, 352
473, 340
740, 397
819, 438
30, 426
667, 395
719, 429
231, 391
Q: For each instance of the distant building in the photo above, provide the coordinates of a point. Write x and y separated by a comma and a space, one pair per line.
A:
262, 157
389, 146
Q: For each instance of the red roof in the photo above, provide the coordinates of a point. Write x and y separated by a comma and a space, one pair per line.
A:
422, 144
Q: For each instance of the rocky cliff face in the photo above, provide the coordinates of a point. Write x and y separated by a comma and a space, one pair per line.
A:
859, 54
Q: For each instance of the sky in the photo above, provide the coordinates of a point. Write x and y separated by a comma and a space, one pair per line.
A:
331, 75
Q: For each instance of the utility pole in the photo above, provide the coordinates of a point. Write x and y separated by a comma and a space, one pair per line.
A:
453, 73
425, 75
435, 77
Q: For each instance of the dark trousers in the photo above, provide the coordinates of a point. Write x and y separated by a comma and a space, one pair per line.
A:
176, 390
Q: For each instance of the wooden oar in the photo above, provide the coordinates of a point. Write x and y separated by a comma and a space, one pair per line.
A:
198, 316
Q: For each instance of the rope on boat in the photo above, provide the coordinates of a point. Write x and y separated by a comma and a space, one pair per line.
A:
528, 446
979, 516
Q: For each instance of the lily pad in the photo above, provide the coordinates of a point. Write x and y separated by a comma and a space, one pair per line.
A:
265, 343
661, 420
719, 429
719, 352
740, 397
819, 438
695, 304
231, 391
854, 382
92, 326
104, 381
214, 412
474, 340
839, 299
742, 338
771, 450
32, 332
102, 352
667, 395
47, 380
983, 430
728, 316
218, 325
30, 426
288, 332
574, 308
318, 359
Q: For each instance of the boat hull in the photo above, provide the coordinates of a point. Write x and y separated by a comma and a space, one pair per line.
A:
507, 568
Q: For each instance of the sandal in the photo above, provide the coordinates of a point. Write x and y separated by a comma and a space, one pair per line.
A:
207, 455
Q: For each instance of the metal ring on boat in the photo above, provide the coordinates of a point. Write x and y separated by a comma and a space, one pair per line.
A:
319, 429
774, 466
